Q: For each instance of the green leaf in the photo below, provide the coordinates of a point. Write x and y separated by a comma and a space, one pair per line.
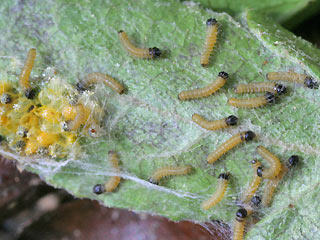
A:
291, 12
150, 128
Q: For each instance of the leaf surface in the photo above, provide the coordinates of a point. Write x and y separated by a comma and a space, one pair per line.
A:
150, 128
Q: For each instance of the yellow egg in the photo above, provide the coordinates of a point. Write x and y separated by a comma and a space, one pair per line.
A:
70, 138
45, 139
29, 120
3, 120
49, 114
31, 147
69, 113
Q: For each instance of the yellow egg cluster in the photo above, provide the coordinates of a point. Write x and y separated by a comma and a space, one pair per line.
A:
41, 124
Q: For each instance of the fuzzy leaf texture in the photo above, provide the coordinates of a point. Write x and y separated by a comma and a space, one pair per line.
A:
149, 127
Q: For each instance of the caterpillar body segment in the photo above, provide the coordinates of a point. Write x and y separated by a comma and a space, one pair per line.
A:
169, 171
206, 91
272, 87
272, 184
220, 192
94, 78
239, 224
214, 125
25, 74
229, 144
211, 39
274, 162
307, 80
80, 118
255, 183
255, 102
135, 51
114, 181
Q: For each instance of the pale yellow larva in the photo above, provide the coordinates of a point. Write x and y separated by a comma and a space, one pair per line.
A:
307, 80
93, 78
274, 162
135, 51
229, 144
169, 171
215, 125
272, 87
211, 38
114, 181
80, 118
254, 185
205, 91
223, 179
25, 74
273, 183
252, 102
239, 224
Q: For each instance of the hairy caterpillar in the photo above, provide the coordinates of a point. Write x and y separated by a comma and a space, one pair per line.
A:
252, 102
274, 88
206, 91
273, 183
80, 118
25, 74
308, 81
219, 193
275, 165
229, 144
255, 183
239, 224
93, 78
211, 38
214, 125
138, 52
169, 171
114, 181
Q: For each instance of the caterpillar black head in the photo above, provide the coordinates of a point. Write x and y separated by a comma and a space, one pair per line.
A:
151, 180
6, 98
259, 171
249, 135
293, 161
254, 161
231, 120
31, 108
310, 83
65, 126
223, 75
155, 52
280, 89
98, 189
121, 31
256, 200
270, 97
225, 176
22, 131
30, 93
211, 21
241, 214
80, 87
